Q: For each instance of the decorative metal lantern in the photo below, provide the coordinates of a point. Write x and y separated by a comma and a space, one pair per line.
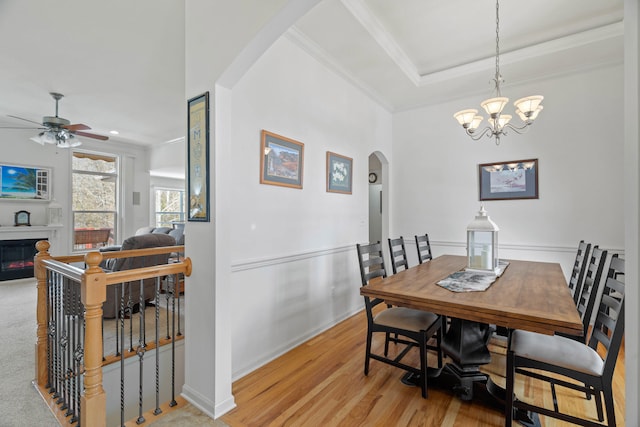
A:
482, 243
54, 213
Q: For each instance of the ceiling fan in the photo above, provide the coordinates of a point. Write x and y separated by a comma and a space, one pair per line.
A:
58, 130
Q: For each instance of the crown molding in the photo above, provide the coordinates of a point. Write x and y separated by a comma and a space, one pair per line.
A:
530, 52
369, 21
321, 55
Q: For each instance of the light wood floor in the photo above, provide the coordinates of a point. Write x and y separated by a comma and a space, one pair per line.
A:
321, 383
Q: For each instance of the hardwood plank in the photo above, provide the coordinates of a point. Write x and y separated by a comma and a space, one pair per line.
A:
321, 383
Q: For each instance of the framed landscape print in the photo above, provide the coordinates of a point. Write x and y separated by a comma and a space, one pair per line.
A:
339, 173
281, 160
198, 158
517, 179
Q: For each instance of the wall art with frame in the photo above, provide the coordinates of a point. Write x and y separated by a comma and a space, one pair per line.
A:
516, 179
198, 158
25, 183
281, 160
339, 173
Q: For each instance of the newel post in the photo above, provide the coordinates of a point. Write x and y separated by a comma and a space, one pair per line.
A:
93, 402
42, 367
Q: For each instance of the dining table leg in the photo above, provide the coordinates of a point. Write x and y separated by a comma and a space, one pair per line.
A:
465, 343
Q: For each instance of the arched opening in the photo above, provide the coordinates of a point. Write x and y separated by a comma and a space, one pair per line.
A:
378, 197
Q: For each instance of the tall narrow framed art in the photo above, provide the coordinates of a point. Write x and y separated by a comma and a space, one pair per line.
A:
198, 158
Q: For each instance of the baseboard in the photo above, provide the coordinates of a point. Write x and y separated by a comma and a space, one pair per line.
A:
205, 405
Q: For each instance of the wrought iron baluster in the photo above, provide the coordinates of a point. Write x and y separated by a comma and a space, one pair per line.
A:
122, 339
64, 345
140, 351
177, 286
157, 410
173, 349
56, 339
129, 311
167, 298
49, 329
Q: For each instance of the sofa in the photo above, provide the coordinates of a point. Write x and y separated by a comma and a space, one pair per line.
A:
176, 232
131, 290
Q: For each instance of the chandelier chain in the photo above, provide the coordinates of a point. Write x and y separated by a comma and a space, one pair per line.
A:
498, 77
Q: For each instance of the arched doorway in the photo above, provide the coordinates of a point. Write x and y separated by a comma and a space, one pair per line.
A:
378, 197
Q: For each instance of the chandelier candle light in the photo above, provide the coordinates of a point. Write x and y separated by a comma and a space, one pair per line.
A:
527, 108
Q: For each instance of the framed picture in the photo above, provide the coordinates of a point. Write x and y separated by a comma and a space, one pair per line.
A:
517, 179
198, 158
339, 173
22, 218
25, 183
281, 160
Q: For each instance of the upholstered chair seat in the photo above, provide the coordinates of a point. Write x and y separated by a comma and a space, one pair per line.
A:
406, 318
557, 350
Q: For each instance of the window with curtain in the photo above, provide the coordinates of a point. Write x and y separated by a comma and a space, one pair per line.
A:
94, 199
169, 207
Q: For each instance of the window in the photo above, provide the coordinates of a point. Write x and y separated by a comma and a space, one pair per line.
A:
94, 200
169, 207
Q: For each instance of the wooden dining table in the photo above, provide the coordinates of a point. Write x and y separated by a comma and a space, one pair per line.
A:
528, 295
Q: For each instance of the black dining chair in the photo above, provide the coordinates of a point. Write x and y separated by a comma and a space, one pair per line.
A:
552, 358
398, 255
424, 248
589, 290
414, 328
579, 268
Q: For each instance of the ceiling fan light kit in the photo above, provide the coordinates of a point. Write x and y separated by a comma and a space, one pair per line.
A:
59, 131
527, 108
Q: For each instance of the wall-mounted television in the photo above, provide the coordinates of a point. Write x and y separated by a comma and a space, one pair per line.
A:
24, 182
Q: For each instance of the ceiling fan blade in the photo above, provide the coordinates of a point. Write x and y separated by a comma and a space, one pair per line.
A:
17, 127
26, 120
78, 126
90, 135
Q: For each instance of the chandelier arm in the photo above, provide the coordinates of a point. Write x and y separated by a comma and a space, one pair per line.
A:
476, 136
521, 130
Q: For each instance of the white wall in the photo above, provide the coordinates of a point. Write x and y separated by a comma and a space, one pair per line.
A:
578, 140
292, 252
632, 217
16, 148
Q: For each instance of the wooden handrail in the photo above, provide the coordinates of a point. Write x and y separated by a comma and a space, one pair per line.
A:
93, 287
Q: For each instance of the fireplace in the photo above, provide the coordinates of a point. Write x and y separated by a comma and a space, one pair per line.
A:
16, 258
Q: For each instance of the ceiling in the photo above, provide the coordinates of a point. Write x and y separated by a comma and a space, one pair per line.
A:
120, 64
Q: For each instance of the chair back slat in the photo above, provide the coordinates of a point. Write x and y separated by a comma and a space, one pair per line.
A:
579, 269
424, 248
371, 262
398, 255
590, 288
608, 329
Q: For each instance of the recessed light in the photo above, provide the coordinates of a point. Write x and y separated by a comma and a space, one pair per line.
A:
114, 132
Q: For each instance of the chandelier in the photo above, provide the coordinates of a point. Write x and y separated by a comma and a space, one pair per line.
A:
527, 108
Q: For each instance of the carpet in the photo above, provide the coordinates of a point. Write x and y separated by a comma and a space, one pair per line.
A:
20, 403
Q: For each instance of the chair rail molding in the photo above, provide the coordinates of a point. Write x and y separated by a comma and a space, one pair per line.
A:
250, 264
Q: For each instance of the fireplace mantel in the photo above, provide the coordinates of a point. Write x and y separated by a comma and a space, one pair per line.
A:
27, 232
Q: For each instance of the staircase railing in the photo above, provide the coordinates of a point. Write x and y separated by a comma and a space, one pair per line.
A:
70, 333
